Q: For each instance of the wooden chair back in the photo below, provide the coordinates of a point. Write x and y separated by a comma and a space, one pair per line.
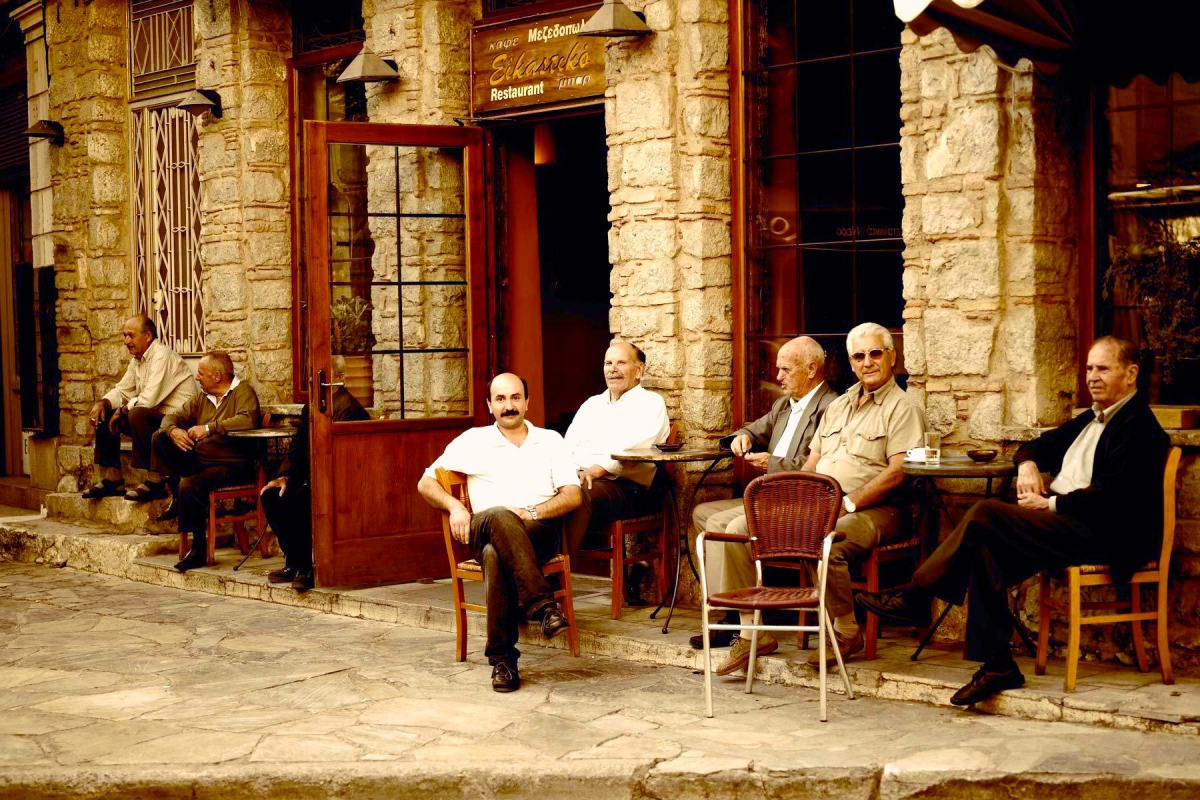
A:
1168, 535
454, 484
789, 514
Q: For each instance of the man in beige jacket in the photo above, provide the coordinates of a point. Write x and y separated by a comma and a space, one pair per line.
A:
156, 383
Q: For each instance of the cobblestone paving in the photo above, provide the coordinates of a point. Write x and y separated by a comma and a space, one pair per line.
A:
97, 672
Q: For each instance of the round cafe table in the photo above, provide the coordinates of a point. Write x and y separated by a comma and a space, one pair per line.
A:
693, 453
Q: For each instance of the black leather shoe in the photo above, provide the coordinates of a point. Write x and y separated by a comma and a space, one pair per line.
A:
986, 683
303, 582
715, 639
169, 513
282, 575
104, 488
553, 623
145, 492
193, 560
505, 678
898, 608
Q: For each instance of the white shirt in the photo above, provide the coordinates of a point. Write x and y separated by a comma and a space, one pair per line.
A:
501, 474
638, 418
216, 401
1076, 472
798, 406
159, 380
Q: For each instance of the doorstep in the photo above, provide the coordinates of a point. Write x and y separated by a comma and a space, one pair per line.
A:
1106, 695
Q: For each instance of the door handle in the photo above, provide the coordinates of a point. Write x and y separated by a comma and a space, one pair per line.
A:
321, 387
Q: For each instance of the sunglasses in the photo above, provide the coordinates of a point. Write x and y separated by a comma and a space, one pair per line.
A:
874, 354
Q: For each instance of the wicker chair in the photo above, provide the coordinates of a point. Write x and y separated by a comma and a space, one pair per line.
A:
1155, 572
791, 517
465, 568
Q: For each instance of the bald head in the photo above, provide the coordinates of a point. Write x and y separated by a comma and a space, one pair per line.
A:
800, 366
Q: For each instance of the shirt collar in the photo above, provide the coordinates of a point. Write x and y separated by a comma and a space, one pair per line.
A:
1103, 415
233, 384
608, 395
877, 395
802, 403
153, 343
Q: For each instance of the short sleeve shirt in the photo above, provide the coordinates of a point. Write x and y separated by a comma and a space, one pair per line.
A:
501, 474
854, 442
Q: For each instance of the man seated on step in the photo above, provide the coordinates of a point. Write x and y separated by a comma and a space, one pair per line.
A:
156, 383
861, 442
624, 416
776, 442
193, 448
287, 499
1104, 506
521, 482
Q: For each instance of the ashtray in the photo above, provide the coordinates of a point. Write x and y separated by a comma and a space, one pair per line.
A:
981, 455
668, 447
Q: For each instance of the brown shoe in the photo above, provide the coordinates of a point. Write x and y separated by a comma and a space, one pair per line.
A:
739, 654
848, 647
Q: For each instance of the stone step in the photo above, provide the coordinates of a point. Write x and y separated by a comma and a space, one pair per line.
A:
19, 492
1112, 697
115, 514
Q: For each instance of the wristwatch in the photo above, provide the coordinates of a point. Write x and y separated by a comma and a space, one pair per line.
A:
208, 430
532, 511
848, 504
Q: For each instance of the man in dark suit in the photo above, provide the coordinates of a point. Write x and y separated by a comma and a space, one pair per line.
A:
776, 442
1104, 506
287, 499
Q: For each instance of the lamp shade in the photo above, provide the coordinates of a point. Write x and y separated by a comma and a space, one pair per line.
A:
614, 19
366, 67
46, 129
198, 101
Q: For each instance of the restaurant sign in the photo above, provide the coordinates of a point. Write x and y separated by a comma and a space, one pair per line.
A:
535, 62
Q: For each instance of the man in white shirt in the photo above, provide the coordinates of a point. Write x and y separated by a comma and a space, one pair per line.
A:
1103, 507
156, 383
520, 480
778, 441
623, 417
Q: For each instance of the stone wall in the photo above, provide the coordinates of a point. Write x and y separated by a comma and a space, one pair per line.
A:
242, 50
88, 218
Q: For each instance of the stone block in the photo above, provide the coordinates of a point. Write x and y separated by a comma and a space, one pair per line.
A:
659, 15
643, 104
103, 47
273, 366
637, 322
218, 192
270, 327
116, 514
707, 46
110, 359
986, 422
941, 412
705, 238
226, 290
705, 177
263, 187
968, 144
979, 74
652, 278
703, 11
935, 79
264, 102
707, 312
1188, 498
950, 213
914, 346
649, 163
106, 148
110, 185
956, 344
710, 359
706, 116
271, 294
646, 239
266, 145
706, 410
964, 269
220, 253
105, 232
271, 250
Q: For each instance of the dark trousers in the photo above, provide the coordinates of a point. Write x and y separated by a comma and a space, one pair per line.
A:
139, 424
191, 481
509, 550
996, 546
290, 518
606, 501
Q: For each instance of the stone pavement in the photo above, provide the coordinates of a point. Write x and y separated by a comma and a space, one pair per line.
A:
110, 688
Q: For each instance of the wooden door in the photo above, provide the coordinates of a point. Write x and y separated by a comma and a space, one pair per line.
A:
395, 238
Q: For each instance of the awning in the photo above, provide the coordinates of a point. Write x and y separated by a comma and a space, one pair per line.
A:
1110, 39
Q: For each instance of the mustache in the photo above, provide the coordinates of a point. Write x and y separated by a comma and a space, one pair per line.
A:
512, 412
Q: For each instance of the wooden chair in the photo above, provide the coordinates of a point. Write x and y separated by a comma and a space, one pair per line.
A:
1100, 575
909, 548
791, 517
616, 554
241, 491
465, 568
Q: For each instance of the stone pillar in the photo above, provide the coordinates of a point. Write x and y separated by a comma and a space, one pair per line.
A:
242, 49
990, 251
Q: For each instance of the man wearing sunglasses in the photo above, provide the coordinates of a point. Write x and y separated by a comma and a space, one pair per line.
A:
861, 441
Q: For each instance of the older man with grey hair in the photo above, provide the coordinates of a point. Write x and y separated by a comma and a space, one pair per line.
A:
861, 442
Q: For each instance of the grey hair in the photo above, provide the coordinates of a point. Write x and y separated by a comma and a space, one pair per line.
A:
221, 359
807, 349
869, 329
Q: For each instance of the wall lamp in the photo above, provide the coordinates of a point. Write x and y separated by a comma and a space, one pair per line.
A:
615, 19
366, 67
198, 101
46, 129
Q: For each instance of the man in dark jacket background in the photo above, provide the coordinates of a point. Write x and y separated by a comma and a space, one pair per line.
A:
1104, 506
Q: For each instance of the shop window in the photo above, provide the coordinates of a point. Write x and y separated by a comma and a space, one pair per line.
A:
1149, 245
166, 213
823, 201
161, 50
320, 26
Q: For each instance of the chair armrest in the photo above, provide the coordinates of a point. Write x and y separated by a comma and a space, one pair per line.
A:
722, 536
836, 536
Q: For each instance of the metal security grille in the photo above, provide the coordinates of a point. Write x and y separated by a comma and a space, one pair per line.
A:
160, 47
166, 197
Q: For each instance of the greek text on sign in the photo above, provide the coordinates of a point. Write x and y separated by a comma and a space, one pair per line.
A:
535, 62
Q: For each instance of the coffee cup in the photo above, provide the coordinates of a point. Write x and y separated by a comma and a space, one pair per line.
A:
916, 454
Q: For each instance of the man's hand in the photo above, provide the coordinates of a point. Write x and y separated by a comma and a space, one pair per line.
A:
522, 513
197, 432
96, 415
460, 525
593, 473
114, 422
741, 444
758, 460
279, 483
181, 439
1033, 500
1029, 479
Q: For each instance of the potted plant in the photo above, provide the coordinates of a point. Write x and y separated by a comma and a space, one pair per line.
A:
351, 336
1161, 276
